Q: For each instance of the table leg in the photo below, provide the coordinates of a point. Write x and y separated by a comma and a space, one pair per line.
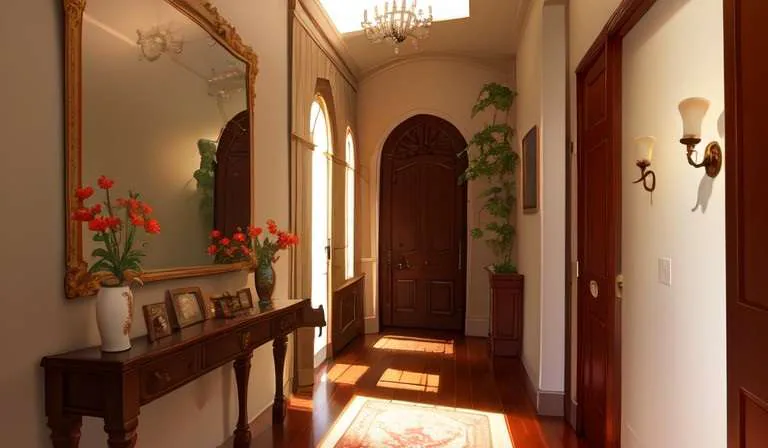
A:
242, 373
279, 348
65, 430
121, 434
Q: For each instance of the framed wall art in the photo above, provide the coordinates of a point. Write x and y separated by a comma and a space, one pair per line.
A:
530, 171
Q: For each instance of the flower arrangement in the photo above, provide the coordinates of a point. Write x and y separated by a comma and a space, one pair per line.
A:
246, 245
118, 257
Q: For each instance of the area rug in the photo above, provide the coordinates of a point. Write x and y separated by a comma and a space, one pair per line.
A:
376, 423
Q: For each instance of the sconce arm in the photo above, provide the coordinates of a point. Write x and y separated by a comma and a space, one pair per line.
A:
645, 174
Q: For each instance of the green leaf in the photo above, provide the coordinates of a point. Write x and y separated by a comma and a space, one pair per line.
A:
100, 252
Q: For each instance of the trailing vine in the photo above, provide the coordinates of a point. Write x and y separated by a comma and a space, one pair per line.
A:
491, 156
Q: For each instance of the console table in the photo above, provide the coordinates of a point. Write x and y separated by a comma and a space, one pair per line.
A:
114, 386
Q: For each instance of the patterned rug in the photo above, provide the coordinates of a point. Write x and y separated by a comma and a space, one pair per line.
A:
375, 423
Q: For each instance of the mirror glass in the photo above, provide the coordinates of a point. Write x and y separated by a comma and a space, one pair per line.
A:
164, 114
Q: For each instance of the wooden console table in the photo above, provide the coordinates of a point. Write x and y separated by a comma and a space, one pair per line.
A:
114, 386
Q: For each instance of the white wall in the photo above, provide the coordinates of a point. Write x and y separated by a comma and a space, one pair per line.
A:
442, 86
542, 84
673, 363
529, 81
37, 320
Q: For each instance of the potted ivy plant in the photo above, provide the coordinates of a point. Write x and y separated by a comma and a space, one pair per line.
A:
492, 157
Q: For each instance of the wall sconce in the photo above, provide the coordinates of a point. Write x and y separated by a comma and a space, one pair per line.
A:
692, 110
644, 148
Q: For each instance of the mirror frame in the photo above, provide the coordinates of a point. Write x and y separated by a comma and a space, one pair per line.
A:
78, 281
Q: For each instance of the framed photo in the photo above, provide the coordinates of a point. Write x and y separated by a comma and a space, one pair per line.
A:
234, 303
246, 298
188, 306
530, 171
158, 323
221, 307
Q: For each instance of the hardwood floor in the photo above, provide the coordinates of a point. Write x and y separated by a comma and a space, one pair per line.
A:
425, 367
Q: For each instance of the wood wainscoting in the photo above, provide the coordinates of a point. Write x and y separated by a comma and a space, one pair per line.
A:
347, 307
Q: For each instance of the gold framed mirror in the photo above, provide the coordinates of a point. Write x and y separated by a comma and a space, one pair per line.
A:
167, 112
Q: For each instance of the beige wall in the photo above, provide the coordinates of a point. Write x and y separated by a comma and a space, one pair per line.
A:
673, 338
37, 320
673, 359
542, 84
441, 86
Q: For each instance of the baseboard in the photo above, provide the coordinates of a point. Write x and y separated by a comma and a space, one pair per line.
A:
573, 415
321, 356
372, 325
476, 326
549, 403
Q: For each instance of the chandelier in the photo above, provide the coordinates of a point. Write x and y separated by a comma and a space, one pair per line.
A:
156, 41
397, 24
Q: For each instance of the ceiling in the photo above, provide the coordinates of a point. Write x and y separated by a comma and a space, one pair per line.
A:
491, 32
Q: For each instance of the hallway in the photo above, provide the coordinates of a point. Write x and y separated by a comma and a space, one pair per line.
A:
455, 372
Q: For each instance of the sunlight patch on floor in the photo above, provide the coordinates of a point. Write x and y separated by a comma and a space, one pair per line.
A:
406, 380
345, 373
376, 422
421, 345
302, 404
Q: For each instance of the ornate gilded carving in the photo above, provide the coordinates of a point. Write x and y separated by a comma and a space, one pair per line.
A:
128, 319
78, 282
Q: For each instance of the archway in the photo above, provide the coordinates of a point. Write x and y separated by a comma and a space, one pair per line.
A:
422, 226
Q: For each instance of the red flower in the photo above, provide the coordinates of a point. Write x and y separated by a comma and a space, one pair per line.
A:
113, 222
231, 252
134, 204
225, 241
272, 226
212, 249
147, 209
152, 226
137, 220
245, 250
83, 215
215, 234
121, 202
239, 237
100, 224
96, 209
84, 193
105, 183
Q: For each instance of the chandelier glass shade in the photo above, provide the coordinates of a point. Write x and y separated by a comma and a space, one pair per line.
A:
396, 23
156, 41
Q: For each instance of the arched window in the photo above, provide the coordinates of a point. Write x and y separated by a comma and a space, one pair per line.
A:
320, 132
349, 232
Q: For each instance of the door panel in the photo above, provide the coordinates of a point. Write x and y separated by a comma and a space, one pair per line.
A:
598, 246
746, 240
232, 197
423, 226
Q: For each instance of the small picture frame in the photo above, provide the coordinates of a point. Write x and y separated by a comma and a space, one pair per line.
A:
221, 308
530, 171
187, 305
246, 298
234, 303
157, 320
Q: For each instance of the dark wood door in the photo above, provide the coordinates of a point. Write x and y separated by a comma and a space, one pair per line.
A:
423, 226
599, 215
746, 70
232, 198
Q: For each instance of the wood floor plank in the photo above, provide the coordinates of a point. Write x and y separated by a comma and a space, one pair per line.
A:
419, 366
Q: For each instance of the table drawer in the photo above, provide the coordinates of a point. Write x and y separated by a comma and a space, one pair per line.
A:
284, 324
158, 377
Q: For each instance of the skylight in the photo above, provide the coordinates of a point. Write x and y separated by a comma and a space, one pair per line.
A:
347, 14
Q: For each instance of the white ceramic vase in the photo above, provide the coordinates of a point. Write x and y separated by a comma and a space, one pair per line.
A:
114, 316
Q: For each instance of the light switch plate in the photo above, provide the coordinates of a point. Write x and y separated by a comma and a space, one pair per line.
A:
665, 271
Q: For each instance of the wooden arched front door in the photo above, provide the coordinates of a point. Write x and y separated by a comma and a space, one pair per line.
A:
422, 233
232, 197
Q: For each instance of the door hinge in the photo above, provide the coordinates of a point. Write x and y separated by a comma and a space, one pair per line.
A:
619, 286
578, 269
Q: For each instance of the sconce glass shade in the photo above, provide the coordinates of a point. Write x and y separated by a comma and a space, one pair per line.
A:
644, 147
692, 110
